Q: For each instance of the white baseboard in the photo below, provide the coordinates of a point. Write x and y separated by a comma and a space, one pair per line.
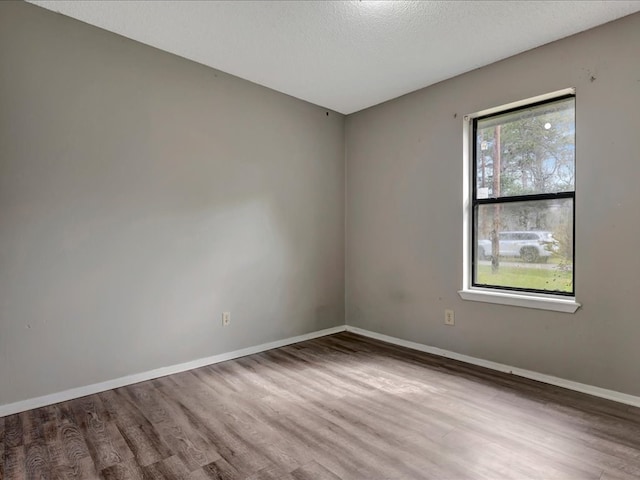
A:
23, 405
540, 377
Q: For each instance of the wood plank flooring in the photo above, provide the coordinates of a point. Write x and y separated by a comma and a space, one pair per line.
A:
338, 407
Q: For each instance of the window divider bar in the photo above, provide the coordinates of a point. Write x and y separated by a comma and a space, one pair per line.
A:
524, 198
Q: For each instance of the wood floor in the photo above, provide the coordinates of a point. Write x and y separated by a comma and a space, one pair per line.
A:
338, 407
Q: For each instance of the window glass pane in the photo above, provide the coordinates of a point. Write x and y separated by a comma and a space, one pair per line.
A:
533, 248
529, 151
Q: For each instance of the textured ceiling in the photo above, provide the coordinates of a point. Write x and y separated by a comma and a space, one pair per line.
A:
344, 55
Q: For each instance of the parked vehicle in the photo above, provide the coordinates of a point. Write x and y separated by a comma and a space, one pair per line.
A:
530, 246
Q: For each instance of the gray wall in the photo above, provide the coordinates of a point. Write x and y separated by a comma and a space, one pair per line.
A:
140, 196
404, 214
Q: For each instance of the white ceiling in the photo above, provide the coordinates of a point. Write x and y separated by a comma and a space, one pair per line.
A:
344, 55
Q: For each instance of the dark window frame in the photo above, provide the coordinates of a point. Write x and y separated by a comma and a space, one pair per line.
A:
476, 202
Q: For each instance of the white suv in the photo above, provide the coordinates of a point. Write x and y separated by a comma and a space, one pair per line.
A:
531, 246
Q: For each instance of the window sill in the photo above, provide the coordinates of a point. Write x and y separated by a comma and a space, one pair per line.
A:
558, 304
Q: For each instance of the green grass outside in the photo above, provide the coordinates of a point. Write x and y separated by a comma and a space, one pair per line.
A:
526, 277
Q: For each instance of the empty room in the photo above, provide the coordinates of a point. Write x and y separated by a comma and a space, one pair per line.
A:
319, 240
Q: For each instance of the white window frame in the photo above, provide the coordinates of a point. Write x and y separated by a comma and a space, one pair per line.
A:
559, 303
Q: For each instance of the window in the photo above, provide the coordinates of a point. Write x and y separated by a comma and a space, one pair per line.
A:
520, 195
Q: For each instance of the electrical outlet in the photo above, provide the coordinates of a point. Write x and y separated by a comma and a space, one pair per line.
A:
449, 317
226, 319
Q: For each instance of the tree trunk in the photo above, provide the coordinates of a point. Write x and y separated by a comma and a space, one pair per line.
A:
495, 233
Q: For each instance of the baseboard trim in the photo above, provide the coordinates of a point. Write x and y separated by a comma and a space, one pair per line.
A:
540, 377
23, 405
